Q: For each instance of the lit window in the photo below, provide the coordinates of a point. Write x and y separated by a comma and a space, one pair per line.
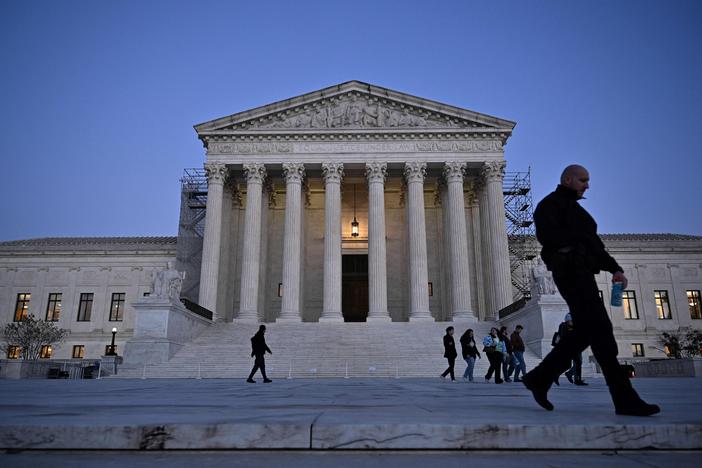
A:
53, 308
693, 302
637, 349
631, 312
662, 305
14, 352
280, 289
85, 307
22, 306
431, 288
45, 352
78, 351
117, 307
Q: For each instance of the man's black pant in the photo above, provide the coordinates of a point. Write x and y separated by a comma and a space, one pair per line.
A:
591, 327
495, 359
451, 363
259, 363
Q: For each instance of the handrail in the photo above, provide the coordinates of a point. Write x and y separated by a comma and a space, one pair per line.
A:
196, 308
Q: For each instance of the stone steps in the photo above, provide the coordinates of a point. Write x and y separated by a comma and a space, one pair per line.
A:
322, 350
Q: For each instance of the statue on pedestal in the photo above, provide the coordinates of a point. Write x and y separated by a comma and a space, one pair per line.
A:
541, 280
168, 283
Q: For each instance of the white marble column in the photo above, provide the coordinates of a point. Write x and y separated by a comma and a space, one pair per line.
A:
415, 172
292, 242
458, 241
490, 313
475, 249
251, 261
494, 172
376, 173
333, 173
212, 241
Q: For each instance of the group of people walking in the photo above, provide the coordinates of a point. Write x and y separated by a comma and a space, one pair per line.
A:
504, 352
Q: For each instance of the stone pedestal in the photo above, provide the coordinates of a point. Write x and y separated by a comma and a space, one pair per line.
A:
161, 329
540, 318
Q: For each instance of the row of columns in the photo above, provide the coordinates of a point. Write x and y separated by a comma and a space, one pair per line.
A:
493, 239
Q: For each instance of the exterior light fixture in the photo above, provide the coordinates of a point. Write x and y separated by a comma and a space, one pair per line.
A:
354, 223
112, 345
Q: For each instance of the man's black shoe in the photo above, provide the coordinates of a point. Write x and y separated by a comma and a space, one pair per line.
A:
250, 380
569, 376
267, 381
539, 393
580, 382
642, 409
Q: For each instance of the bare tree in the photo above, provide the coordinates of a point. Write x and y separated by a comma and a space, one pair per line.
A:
30, 335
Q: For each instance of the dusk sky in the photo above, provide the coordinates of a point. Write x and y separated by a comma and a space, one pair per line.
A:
99, 99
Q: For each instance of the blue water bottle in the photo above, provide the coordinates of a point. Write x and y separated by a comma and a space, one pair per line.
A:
617, 289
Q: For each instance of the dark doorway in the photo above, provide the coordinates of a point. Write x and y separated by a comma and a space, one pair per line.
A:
354, 287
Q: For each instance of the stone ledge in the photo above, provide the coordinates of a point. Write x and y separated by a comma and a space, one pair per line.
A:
309, 435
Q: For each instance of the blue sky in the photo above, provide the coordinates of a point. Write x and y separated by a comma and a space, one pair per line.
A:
98, 99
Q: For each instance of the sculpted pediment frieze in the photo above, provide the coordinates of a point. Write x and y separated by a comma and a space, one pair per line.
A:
354, 111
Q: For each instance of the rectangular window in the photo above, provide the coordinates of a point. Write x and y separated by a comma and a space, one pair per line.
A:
117, 307
107, 350
431, 288
662, 305
78, 351
22, 306
631, 312
85, 307
693, 302
53, 308
14, 352
45, 352
637, 349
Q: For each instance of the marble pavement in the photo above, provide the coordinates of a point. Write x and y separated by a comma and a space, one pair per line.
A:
330, 414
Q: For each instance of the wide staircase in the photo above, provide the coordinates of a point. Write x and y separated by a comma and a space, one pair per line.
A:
318, 350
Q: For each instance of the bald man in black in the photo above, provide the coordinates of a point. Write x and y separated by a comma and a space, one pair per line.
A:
574, 252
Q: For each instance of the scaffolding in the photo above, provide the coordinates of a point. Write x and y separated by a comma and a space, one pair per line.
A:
519, 212
194, 192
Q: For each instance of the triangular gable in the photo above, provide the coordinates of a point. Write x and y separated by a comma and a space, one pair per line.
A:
352, 106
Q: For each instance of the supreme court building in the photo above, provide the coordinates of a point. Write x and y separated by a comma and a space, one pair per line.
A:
354, 203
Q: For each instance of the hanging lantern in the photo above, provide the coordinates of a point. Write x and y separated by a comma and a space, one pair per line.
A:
354, 223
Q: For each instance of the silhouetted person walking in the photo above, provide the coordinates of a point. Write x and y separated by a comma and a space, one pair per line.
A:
573, 251
449, 353
258, 350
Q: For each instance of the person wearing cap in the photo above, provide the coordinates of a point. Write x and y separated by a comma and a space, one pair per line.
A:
574, 253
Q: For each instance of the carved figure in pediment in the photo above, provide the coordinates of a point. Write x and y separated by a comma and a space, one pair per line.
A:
370, 115
320, 119
354, 112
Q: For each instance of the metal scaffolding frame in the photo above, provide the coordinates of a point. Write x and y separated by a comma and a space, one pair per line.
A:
519, 211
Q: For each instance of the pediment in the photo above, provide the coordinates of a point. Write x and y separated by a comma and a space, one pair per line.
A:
353, 106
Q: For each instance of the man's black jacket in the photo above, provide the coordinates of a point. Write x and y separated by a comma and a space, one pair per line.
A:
258, 345
568, 235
